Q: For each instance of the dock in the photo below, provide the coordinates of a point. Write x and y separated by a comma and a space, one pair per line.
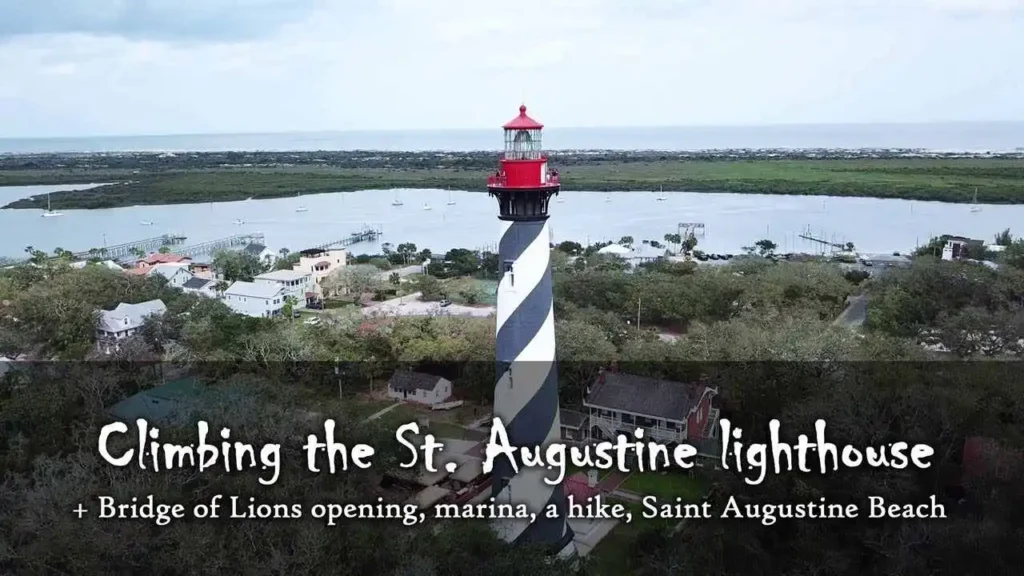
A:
128, 249
367, 234
822, 241
221, 244
687, 229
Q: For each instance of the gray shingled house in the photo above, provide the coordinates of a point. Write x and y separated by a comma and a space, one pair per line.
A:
668, 412
419, 387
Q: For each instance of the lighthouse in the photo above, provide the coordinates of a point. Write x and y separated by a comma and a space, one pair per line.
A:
526, 391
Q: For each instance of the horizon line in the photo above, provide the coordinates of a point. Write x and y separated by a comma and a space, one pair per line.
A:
547, 127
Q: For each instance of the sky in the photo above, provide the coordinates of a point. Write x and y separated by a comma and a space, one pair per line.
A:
134, 67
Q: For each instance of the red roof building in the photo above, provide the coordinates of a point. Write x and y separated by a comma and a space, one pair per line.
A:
158, 258
578, 486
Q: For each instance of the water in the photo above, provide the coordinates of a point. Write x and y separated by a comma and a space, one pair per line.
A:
954, 136
731, 220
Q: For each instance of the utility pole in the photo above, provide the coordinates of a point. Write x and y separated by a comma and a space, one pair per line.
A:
337, 374
638, 314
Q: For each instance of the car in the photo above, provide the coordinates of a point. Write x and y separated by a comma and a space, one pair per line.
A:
445, 303
311, 321
296, 314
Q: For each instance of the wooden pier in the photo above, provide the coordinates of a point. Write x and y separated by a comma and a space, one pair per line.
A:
220, 244
687, 229
367, 234
128, 249
822, 241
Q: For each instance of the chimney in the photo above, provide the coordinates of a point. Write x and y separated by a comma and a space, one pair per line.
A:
592, 478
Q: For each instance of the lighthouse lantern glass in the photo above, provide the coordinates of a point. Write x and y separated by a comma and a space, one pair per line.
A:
522, 144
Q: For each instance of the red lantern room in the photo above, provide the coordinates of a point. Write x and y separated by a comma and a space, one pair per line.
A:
524, 184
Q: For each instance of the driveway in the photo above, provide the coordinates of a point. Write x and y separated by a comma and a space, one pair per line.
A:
411, 305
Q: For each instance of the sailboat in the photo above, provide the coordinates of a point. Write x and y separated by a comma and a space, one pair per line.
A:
397, 201
49, 212
975, 207
451, 199
239, 222
146, 223
427, 207
300, 208
661, 195
607, 198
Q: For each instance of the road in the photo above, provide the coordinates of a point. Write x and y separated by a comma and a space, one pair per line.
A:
855, 314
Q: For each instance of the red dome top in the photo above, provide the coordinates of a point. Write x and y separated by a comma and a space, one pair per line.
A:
522, 122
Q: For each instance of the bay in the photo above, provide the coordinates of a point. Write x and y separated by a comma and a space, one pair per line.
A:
731, 220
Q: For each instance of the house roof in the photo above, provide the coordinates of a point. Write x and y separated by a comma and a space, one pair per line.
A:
283, 275
571, 419
522, 122
166, 270
129, 316
253, 289
578, 486
196, 283
171, 403
158, 258
254, 249
409, 381
647, 396
614, 249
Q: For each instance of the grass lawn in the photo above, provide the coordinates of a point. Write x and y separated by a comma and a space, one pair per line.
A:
362, 407
667, 485
471, 291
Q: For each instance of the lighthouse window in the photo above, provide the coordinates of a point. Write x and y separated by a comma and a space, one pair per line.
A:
508, 270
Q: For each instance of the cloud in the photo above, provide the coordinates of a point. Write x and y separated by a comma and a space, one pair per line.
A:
272, 65
203, 20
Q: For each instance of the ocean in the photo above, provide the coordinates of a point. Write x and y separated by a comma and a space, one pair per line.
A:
945, 137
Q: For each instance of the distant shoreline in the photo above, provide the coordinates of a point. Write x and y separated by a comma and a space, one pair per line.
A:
200, 177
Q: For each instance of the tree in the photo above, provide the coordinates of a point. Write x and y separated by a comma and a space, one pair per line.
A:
428, 287
1004, 238
626, 241
236, 266
164, 250
766, 248
354, 281
395, 279
406, 250
569, 247
288, 309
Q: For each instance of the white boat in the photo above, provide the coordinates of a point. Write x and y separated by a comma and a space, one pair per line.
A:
146, 223
661, 195
397, 201
49, 212
975, 207
560, 200
239, 222
451, 199
301, 209
607, 198
427, 207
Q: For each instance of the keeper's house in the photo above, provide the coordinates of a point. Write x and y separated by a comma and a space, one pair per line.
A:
668, 412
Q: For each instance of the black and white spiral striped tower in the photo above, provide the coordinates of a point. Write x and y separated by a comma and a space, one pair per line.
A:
526, 392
